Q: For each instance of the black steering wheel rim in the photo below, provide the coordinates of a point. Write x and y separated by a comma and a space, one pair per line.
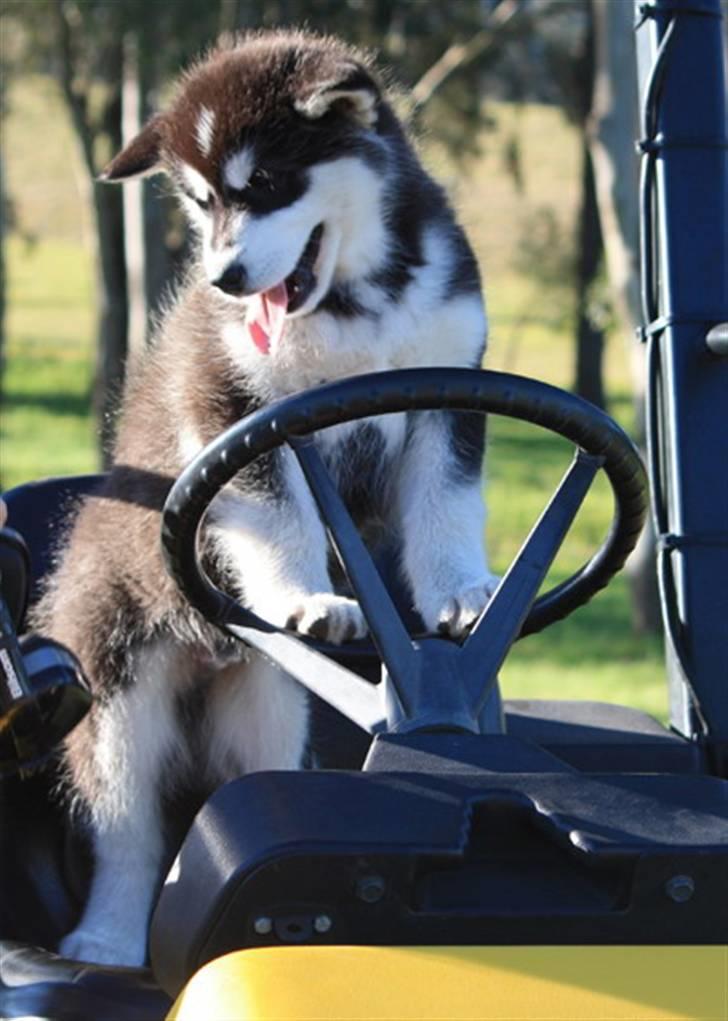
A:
426, 389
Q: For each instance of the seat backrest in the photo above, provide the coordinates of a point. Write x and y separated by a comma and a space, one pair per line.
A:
40, 512
43, 872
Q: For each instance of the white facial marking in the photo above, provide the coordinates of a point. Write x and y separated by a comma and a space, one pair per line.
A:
205, 129
195, 182
237, 170
351, 196
217, 259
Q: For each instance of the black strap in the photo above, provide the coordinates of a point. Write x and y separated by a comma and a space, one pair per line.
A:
657, 144
663, 323
653, 10
669, 541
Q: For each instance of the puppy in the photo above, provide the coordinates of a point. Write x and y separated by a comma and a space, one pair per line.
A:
324, 250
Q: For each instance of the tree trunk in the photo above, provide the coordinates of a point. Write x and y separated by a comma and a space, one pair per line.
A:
3, 231
133, 200
111, 346
588, 381
611, 131
162, 228
588, 378
113, 319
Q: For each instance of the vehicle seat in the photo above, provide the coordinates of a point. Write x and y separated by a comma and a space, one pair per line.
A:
44, 862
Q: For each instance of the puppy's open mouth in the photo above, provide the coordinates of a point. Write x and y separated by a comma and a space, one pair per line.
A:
268, 310
301, 282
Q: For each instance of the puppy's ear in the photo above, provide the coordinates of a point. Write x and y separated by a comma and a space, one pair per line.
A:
141, 157
351, 90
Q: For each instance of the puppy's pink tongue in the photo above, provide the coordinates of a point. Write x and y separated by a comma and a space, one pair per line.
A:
267, 316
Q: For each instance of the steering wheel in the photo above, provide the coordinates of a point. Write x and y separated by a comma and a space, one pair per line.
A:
512, 612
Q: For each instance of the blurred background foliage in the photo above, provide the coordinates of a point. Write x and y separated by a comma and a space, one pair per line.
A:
525, 109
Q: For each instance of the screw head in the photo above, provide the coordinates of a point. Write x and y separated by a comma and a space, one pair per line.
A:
680, 888
322, 923
263, 926
370, 889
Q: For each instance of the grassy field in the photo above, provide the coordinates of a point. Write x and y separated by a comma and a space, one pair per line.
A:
46, 426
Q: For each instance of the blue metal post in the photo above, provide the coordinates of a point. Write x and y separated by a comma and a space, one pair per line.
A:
685, 297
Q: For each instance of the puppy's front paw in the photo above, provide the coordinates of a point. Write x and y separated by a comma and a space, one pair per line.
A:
329, 618
461, 611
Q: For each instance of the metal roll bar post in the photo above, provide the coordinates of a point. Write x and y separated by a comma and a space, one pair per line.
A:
684, 148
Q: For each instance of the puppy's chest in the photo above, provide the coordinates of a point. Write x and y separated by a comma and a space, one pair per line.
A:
363, 459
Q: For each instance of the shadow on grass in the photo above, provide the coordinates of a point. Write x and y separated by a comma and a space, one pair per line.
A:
61, 403
598, 633
522, 444
51, 304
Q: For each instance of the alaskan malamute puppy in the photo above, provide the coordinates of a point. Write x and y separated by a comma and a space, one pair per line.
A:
325, 250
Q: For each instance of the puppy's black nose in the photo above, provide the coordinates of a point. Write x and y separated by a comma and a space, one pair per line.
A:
233, 280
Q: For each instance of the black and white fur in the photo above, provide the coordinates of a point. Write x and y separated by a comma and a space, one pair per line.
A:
266, 140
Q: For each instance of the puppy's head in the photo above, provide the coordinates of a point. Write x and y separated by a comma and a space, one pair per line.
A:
276, 147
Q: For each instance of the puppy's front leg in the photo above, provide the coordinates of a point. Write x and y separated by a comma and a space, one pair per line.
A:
442, 516
275, 540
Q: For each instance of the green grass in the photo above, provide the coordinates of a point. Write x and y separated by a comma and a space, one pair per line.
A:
46, 426
45, 177
593, 653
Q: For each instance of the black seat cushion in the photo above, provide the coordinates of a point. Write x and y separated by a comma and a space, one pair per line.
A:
36, 983
40, 511
45, 864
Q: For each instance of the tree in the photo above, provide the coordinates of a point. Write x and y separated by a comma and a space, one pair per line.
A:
3, 229
89, 55
611, 131
588, 374
569, 48
87, 45
5, 211
566, 48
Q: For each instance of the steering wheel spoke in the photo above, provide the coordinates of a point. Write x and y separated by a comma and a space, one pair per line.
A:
388, 632
502, 619
361, 701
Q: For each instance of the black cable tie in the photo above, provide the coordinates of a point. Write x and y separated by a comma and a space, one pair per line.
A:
649, 146
653, 10
643, 333
669, 541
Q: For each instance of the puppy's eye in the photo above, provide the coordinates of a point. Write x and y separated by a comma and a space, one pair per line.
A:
261, 180
204, 204
260, 186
